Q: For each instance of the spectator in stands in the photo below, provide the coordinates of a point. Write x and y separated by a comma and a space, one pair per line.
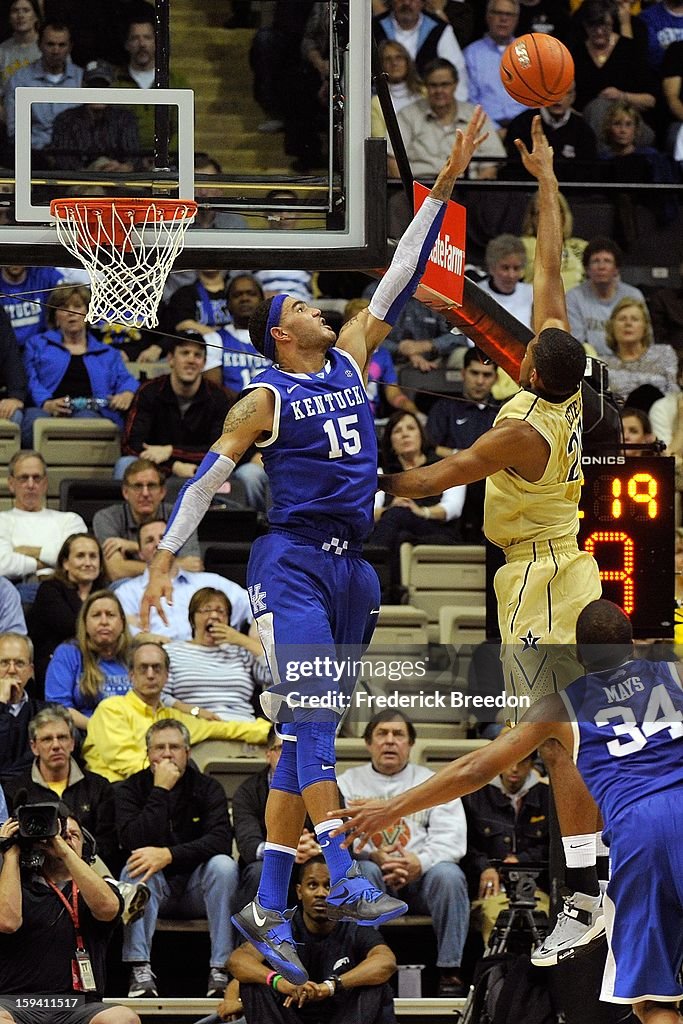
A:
403, 82
13, 390
382, 385
432, 520
298, 283
573, 140
428, 126
572, 269
31, 535
482, 58
96, 132
506, 266
420, 857
462, 17
666, 416
16, 707
664, 22
52, 618
456, 422
185, 584
636, 428
590, 303
115, 742
608, 65
22, 47
204, 303
19, 286
95, 664
52, 735
54, 69
424, 37
231, 359
249, 818
207, 216
175, 417
68, 362
37, 935
11, 612
624, 158
116, 527
507, 821
349, 968
140, 45
220, 670
419, 337
639, 372
172, 821
549, 16
672, 91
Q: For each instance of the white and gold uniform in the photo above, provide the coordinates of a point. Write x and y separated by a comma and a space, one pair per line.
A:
546, 581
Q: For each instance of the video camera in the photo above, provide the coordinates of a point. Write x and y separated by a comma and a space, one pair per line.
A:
520, 882
37, 822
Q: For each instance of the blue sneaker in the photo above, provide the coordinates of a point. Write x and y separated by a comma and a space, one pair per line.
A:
270, 932
354, 898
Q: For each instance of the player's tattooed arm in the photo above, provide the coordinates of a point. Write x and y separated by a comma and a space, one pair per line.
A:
248, 420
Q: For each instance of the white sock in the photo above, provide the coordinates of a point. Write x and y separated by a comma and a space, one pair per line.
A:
579, 851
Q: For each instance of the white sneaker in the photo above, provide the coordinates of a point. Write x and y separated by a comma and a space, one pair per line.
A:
579, 923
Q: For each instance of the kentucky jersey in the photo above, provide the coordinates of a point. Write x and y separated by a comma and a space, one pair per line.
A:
518, 510
628, 733
241, 361
321, 458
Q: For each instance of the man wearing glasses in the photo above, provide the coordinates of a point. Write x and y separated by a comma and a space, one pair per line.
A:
16, 707
31, 534
116, 527
482, 58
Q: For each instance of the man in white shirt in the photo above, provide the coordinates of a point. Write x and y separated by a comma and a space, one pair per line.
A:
185, 584
31, 534
417, 858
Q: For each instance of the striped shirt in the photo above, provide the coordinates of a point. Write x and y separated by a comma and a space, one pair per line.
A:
220, 679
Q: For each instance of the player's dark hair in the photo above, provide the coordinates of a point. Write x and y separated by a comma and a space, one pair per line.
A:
475, 355
602, 245
604, 636
302, 868
389, 715
258, 322
560, 361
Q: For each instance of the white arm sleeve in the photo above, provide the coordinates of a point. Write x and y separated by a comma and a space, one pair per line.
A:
194, 499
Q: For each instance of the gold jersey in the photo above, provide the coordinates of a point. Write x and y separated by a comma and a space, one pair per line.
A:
518, 510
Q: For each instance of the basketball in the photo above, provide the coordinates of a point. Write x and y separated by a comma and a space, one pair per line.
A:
537, 69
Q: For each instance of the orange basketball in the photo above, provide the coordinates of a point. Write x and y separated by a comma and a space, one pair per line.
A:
537, 69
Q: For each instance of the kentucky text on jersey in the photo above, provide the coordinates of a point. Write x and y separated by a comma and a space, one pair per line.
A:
322, 404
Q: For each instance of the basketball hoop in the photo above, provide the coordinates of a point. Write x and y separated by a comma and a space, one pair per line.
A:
128, 247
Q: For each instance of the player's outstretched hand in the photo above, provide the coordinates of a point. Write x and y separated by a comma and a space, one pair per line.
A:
159, 589
464, 147
539, 161
364, 818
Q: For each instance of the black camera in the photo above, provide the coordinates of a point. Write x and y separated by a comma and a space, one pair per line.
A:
521, 882
37, 822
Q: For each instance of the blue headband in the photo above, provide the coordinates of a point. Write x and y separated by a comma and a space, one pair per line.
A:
273, 321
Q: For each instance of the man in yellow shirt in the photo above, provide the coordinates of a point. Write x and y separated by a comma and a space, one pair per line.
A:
115, 744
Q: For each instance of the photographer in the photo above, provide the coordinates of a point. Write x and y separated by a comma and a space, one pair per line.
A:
506, 821
56, 918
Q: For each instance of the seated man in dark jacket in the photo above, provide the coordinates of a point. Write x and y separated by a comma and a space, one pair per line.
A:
16, 707
506, 821
173, 822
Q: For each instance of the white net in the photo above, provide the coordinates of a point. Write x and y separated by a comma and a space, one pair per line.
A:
128, 247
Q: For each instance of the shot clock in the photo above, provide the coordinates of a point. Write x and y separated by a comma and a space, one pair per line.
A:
627, 522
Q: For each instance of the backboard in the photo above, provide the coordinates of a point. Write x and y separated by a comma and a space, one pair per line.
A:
308, 190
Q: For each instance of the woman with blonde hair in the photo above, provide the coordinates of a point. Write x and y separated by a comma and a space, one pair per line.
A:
639, 372
405, 85
572, 269
84, 671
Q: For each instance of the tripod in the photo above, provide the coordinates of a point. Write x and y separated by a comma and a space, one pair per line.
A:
520, 917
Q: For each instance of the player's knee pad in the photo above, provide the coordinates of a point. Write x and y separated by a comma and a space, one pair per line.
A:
315, 755
285, 776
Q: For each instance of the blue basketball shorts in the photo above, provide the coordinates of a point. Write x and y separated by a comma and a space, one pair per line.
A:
644, 902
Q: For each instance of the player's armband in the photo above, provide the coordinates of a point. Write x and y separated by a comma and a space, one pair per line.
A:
409, 262
194, 499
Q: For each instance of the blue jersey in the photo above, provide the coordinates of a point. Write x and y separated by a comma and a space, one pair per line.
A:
321, 458
27, 317
241, 361
628, 733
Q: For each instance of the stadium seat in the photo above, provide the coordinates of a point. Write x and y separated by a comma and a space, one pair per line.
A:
400, 624
9, 444
438, 575
83, 449
86, 497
